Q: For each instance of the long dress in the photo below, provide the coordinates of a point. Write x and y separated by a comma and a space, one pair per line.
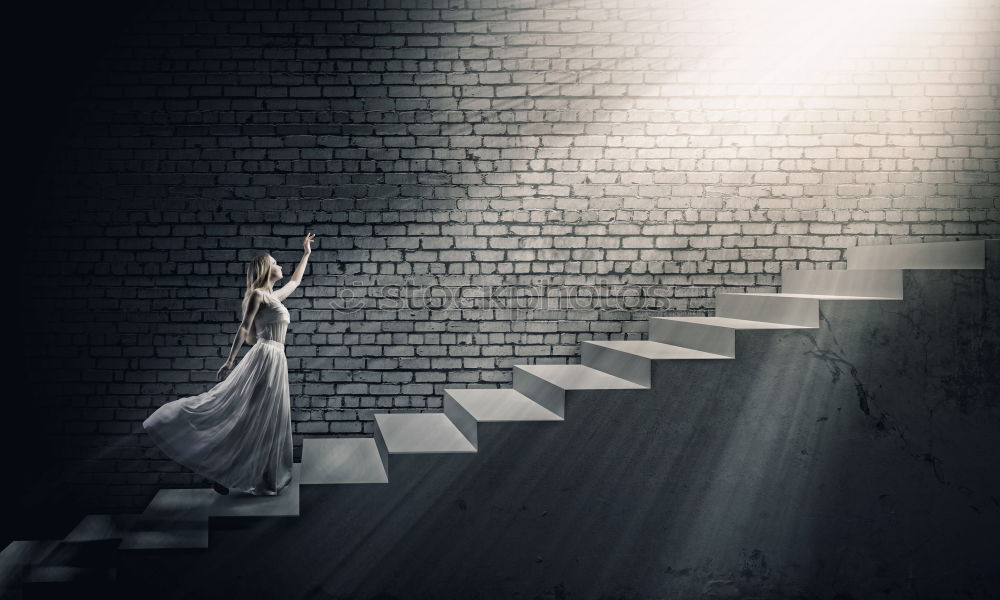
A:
239, 433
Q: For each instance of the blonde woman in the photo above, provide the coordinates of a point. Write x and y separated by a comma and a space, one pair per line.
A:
239, 433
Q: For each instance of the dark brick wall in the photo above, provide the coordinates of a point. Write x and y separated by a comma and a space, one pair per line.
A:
639, 148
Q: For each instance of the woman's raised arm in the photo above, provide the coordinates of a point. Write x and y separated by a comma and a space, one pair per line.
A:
296, 278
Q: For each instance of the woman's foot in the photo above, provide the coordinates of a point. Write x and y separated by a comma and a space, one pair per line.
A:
218, 487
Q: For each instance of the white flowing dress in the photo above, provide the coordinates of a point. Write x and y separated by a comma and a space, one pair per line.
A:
239, 433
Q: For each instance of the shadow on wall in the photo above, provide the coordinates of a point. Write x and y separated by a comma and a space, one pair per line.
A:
57, 43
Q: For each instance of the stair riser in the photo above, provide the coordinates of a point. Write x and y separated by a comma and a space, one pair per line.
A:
880, 284
717, 340
771, 309
547, 394
465, 422
620, 364
383, 449
946, 255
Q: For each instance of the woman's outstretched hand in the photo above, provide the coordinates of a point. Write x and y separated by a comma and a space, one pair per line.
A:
305, 243
225, 365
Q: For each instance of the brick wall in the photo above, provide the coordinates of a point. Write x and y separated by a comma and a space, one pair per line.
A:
624, 158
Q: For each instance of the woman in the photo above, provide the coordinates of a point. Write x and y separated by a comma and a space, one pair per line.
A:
239, 433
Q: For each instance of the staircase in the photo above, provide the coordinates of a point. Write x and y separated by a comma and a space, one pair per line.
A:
180, 519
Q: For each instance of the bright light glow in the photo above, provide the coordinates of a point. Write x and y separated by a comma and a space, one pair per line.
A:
794, 41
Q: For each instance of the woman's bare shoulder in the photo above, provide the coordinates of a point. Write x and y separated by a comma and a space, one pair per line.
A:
257, 297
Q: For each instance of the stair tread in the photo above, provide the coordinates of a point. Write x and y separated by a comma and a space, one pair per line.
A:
93, 528
655, 350
501, 405
178, 517
734, 323
808, 296
284, 504
580, 377
177, 500
341, 460
18, 554
421, 432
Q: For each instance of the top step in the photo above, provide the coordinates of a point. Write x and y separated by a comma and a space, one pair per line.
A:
936, 255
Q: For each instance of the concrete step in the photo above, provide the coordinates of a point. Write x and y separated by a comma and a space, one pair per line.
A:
85, 563
178, 518
175, 518
418, 433
547, 384
102, 527
499, 405
468, 407
285, 504
934, 255
85, 556
715, 335
575, 377
633, 360
327, 461
885, 284
790, 309
90, 554
15, 560
777, 308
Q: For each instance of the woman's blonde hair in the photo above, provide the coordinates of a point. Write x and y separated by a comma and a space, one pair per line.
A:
258, 272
